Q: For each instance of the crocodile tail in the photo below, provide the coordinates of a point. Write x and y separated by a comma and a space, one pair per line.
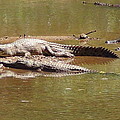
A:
91, 51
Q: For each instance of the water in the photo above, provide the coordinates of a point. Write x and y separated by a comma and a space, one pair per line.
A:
81, 97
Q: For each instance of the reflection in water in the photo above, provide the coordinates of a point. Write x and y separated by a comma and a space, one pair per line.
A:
82, 97
73, 70
66, 97
31, 74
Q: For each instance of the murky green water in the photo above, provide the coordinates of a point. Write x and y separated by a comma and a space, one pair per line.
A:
82, 97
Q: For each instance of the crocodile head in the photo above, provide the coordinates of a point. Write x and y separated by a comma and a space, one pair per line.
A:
2, 50
117, 49
83, 36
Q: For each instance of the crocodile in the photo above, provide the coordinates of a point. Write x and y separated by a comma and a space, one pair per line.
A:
84, 36
39, 65
42, 63
103, 4
117, 49
113, 41
28, 46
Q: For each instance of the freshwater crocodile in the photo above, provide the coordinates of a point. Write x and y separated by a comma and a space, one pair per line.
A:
42, 63
28, 46
113, 41
102, 4
85, 36
40, 66
117, 49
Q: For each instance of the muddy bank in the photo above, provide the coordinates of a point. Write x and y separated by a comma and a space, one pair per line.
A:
7, 39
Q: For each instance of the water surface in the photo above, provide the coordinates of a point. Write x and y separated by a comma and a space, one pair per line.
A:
81, 97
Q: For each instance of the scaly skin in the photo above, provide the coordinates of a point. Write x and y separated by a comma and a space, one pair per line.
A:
27, 46
106, 4
117, 49
113, 41
103, 4
32, 46
42, 63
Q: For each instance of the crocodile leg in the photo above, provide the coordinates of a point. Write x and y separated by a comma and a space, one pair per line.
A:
42, 63
77, 50
59, 53
37, 46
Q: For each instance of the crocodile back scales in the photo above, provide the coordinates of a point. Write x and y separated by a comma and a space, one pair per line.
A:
86, 51
74, 49
44, 64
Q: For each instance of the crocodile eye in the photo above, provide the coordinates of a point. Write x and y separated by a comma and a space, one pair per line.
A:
1, 50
